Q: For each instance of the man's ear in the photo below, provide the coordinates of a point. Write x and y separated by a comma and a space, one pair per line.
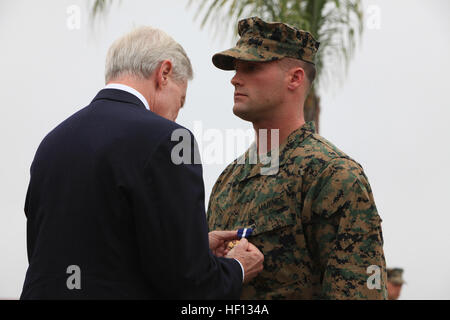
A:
297, 78
164, 72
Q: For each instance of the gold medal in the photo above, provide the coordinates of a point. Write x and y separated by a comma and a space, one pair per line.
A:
232, 244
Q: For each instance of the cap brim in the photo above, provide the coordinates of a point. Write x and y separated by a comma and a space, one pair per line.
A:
225, 60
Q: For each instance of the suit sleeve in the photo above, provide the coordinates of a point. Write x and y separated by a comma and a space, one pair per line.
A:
345, 236
172, 233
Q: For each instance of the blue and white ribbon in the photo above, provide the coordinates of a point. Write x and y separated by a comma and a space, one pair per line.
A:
244, 232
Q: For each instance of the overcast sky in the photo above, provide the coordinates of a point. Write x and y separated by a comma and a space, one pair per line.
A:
391, 114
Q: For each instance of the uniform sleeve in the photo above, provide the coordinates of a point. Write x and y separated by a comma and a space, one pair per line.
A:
344, 235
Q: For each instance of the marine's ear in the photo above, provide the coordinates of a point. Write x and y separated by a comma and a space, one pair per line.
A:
296, 78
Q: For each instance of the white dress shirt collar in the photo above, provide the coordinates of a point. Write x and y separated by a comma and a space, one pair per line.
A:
128, 89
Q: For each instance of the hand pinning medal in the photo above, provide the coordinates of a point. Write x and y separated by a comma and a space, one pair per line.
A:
242, 233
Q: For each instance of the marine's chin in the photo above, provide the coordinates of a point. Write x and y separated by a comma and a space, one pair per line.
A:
242, 112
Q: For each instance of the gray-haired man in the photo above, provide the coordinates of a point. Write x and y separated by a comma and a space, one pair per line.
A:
109, 215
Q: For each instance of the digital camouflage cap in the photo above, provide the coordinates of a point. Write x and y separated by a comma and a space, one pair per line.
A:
264, 41
394, 275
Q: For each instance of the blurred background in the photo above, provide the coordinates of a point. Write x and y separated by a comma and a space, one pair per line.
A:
382, 97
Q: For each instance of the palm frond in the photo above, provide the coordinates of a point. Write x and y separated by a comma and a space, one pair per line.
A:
100, 7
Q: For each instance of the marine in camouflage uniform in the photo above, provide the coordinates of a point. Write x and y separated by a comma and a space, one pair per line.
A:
394, 282
315, 218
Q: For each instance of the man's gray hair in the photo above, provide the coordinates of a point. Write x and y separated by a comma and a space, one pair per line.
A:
141, 51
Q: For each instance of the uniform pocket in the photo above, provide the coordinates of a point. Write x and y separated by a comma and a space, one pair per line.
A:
275, 235
267, 215
277, 218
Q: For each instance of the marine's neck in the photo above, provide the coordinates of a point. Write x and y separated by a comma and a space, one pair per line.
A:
275, 132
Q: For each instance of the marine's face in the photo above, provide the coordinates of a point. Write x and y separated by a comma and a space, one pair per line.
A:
393, 290
258, 89
170, 99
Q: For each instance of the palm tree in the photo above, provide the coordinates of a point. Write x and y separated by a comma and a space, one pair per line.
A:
335, 23
99, 6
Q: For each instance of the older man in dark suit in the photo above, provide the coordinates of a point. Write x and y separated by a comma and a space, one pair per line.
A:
110, 215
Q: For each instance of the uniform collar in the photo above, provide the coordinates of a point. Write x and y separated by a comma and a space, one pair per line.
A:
250, 169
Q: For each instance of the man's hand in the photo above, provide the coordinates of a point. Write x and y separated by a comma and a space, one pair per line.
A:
218, 241
249, 256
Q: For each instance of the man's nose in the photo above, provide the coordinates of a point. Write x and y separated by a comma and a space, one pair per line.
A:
236, 80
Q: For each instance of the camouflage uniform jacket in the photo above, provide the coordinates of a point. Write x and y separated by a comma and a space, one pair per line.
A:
315, 221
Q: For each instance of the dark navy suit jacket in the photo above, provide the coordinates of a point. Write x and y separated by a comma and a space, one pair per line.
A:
105, 196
